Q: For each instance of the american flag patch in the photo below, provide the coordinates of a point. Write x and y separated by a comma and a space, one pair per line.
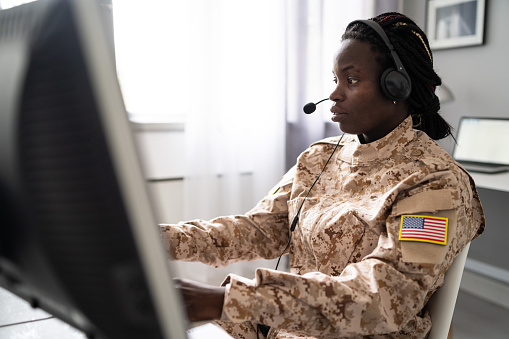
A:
423, 228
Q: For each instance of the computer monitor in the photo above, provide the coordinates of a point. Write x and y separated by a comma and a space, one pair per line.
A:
481, 144
78, 236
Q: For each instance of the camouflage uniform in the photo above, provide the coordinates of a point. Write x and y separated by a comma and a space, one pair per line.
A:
350, 276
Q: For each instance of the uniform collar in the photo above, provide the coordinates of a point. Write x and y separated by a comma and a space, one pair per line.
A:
355, 153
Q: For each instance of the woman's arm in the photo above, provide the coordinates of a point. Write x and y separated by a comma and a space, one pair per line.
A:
260, 233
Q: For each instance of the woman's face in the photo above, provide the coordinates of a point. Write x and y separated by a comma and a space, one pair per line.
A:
359, 104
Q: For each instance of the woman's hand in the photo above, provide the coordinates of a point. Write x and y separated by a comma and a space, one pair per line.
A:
202, 302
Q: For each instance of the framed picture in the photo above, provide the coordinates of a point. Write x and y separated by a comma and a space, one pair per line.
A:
455, 23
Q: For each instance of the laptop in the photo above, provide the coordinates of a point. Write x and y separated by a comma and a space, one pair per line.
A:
482, 145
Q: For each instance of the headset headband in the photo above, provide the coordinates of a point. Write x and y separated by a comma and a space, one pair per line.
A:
396, 87
377, 28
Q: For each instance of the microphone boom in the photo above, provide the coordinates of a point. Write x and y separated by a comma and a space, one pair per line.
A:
311, 107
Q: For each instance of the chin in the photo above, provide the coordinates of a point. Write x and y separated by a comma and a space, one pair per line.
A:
348, 129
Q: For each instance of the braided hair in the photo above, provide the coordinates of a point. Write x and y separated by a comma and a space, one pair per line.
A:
411, 44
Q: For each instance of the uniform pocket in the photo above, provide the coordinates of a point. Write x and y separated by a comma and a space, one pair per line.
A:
329, 233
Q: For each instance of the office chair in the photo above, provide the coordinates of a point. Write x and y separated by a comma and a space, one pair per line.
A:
441, 304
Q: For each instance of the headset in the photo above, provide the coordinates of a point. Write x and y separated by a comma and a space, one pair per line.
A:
395, 82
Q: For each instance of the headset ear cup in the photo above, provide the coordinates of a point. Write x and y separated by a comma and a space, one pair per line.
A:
395, 85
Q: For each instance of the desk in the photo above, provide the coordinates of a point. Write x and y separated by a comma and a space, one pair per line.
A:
487, 270
491, 247
19, 320
498, 182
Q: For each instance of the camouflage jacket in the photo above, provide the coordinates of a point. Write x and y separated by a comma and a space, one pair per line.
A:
351, 276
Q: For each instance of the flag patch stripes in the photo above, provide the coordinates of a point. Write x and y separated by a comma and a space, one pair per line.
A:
423, 228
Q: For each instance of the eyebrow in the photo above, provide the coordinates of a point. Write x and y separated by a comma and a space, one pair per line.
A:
347, 68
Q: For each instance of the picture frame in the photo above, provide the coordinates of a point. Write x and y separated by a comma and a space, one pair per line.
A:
455, 23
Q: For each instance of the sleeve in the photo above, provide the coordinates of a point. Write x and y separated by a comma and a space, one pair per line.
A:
384, 292
260, 233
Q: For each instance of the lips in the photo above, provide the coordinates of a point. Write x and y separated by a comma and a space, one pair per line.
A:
337, 113
336, 110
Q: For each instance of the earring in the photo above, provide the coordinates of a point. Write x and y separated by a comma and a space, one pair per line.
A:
394, 102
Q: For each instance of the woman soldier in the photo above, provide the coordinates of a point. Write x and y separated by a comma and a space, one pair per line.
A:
374, 236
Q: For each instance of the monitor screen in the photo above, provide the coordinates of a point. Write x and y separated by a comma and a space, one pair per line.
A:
482, 140
78, 236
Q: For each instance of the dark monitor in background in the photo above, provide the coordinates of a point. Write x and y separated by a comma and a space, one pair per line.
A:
482, 144
78, 236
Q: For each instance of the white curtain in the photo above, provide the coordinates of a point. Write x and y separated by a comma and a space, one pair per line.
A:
235, 129
218, 66
314, 34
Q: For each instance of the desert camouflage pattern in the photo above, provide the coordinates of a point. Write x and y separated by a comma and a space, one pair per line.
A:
350, 276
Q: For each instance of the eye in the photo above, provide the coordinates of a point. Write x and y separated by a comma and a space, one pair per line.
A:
352, 81
335, 80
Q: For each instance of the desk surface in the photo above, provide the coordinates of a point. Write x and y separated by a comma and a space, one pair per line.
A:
499, 181
19, 320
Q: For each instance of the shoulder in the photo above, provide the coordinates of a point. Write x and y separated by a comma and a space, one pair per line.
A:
319, 151
425, 150
437, 167
328, 144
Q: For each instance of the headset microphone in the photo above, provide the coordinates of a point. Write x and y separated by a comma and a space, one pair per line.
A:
311, 107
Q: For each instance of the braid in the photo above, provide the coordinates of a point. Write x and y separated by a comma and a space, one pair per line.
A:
412, 46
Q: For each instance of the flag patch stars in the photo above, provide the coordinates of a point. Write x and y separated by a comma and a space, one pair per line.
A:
423, 228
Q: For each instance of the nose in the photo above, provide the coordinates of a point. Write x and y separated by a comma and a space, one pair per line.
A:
337, 94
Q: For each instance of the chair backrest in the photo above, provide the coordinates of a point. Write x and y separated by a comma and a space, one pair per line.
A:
441, 304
